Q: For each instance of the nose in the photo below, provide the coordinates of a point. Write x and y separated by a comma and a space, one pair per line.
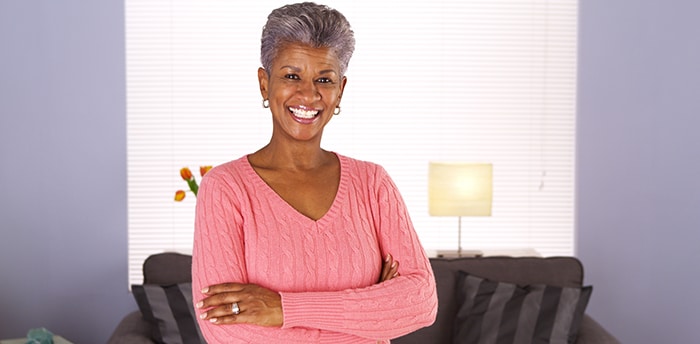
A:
308, 91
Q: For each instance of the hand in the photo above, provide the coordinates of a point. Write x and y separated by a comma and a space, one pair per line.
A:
258, 305
390, 269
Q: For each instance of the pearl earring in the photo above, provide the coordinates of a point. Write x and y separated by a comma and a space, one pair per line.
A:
337, 110
266, 103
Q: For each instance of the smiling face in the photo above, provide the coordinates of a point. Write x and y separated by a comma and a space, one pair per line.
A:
304, 87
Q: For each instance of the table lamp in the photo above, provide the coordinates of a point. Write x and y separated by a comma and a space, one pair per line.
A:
460, 189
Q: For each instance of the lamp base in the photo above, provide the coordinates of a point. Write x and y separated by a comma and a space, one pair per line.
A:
457, 254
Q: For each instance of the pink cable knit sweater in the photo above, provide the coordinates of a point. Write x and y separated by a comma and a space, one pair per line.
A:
326, 270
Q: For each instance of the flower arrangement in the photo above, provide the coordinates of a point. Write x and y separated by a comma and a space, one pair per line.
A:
187, 176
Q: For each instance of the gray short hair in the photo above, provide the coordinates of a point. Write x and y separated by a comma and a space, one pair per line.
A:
307, 23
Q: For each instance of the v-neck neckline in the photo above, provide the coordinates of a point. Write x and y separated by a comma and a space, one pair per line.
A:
325, 218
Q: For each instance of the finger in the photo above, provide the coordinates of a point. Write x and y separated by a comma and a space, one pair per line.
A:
386, 267
390, 269
220, 299
230, 319
220, 314
393, 271
223, 287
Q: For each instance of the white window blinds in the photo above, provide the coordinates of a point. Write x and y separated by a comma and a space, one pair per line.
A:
476, 81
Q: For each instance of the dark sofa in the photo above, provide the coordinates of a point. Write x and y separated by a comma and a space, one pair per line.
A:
172, 268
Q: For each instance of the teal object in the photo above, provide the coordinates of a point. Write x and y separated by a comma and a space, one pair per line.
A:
39, 336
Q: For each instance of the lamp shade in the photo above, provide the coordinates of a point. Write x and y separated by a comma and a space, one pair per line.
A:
460, 189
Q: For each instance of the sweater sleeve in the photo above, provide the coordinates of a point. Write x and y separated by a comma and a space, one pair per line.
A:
382, 311
218, 252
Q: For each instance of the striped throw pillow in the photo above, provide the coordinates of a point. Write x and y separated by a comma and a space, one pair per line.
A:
506, 313
170, 312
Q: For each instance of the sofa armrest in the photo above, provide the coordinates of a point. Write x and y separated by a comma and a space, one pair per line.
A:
591, 332
133, 329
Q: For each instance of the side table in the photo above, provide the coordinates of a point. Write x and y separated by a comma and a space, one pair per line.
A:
494, 252
56, 340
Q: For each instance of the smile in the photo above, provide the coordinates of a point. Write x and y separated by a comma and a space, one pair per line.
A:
303, 114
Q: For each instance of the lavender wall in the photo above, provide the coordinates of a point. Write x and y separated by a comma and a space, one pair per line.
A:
638, 204
63, 175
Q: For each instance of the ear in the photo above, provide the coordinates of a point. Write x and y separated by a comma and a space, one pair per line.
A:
342, 88
263, 80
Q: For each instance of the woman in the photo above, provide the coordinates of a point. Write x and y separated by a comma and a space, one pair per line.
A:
295, 244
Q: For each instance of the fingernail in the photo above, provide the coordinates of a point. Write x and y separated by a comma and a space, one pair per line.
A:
388, 257
200, 304
393, 265
205, 290
203, 315
212, 320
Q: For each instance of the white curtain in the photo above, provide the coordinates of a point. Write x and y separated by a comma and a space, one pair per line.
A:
477, 81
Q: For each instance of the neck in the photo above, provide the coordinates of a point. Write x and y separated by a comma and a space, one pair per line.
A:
298, 156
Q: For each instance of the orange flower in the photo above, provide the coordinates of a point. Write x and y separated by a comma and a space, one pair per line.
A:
203, 170
186, 174
179, 195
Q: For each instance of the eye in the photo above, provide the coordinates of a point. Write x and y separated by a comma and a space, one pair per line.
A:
291, 76
324, 80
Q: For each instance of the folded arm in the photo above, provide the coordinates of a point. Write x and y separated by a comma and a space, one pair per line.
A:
377, 312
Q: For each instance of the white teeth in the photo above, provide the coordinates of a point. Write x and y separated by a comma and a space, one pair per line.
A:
303, 113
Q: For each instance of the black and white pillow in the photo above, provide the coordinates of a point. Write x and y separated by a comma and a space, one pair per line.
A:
170, 312
500, 313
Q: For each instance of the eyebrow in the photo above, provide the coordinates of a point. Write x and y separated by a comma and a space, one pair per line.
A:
297, 69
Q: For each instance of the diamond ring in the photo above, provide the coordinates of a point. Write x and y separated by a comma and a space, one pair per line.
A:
235, 309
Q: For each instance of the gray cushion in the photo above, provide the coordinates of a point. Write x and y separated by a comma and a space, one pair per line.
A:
169, 311
556, 271
498, 312
167, 268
